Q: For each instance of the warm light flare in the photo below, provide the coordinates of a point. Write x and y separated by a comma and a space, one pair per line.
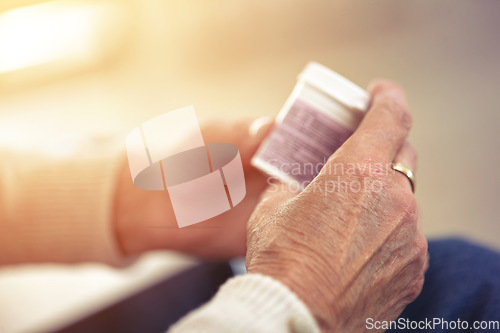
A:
50, 32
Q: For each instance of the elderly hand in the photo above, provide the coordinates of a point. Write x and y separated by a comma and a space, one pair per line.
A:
144, 220
348, 245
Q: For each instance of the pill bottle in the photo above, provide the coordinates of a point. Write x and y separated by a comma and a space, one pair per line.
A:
322, 111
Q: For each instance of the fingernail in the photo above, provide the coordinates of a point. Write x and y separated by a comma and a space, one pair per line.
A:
260, 126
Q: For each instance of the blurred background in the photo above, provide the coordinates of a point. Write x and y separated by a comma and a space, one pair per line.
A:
73, 68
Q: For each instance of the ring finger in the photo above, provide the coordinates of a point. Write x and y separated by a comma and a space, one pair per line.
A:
407, 156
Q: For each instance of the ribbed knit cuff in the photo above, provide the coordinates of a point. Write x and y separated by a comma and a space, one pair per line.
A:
58, 209
250, 303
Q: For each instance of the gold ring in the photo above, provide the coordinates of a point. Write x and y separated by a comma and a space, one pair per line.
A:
407, 172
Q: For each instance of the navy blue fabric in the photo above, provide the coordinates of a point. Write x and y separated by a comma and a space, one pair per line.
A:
463, 282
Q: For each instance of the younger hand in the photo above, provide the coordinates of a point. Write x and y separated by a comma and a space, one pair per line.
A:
144, 220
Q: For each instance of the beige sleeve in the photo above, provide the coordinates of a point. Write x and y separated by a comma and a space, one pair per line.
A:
57, 208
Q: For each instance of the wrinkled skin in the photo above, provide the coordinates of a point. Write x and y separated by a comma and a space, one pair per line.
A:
348, 254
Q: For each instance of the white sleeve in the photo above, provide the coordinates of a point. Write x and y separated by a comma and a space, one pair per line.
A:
250, 303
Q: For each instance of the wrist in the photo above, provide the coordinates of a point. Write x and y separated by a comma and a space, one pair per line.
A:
138, 216
299, 275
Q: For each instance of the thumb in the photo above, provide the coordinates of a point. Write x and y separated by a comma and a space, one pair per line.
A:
246, 134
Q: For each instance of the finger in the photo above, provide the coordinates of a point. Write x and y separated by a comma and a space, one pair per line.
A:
407, 155
386, 124
426, 264
246, 134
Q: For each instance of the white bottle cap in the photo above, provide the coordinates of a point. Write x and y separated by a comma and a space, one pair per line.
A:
335, 85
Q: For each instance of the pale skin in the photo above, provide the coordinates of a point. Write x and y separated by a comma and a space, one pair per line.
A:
145, 220
348, 255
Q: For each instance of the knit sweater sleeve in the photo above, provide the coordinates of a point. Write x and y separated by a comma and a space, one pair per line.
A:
250, 303
57, 208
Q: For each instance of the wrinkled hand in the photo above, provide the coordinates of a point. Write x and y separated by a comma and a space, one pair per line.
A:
354, 252
144, 220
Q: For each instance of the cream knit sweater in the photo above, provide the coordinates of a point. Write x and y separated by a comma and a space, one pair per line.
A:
57, 208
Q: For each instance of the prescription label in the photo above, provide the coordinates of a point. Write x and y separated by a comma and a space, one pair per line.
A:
301, 143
